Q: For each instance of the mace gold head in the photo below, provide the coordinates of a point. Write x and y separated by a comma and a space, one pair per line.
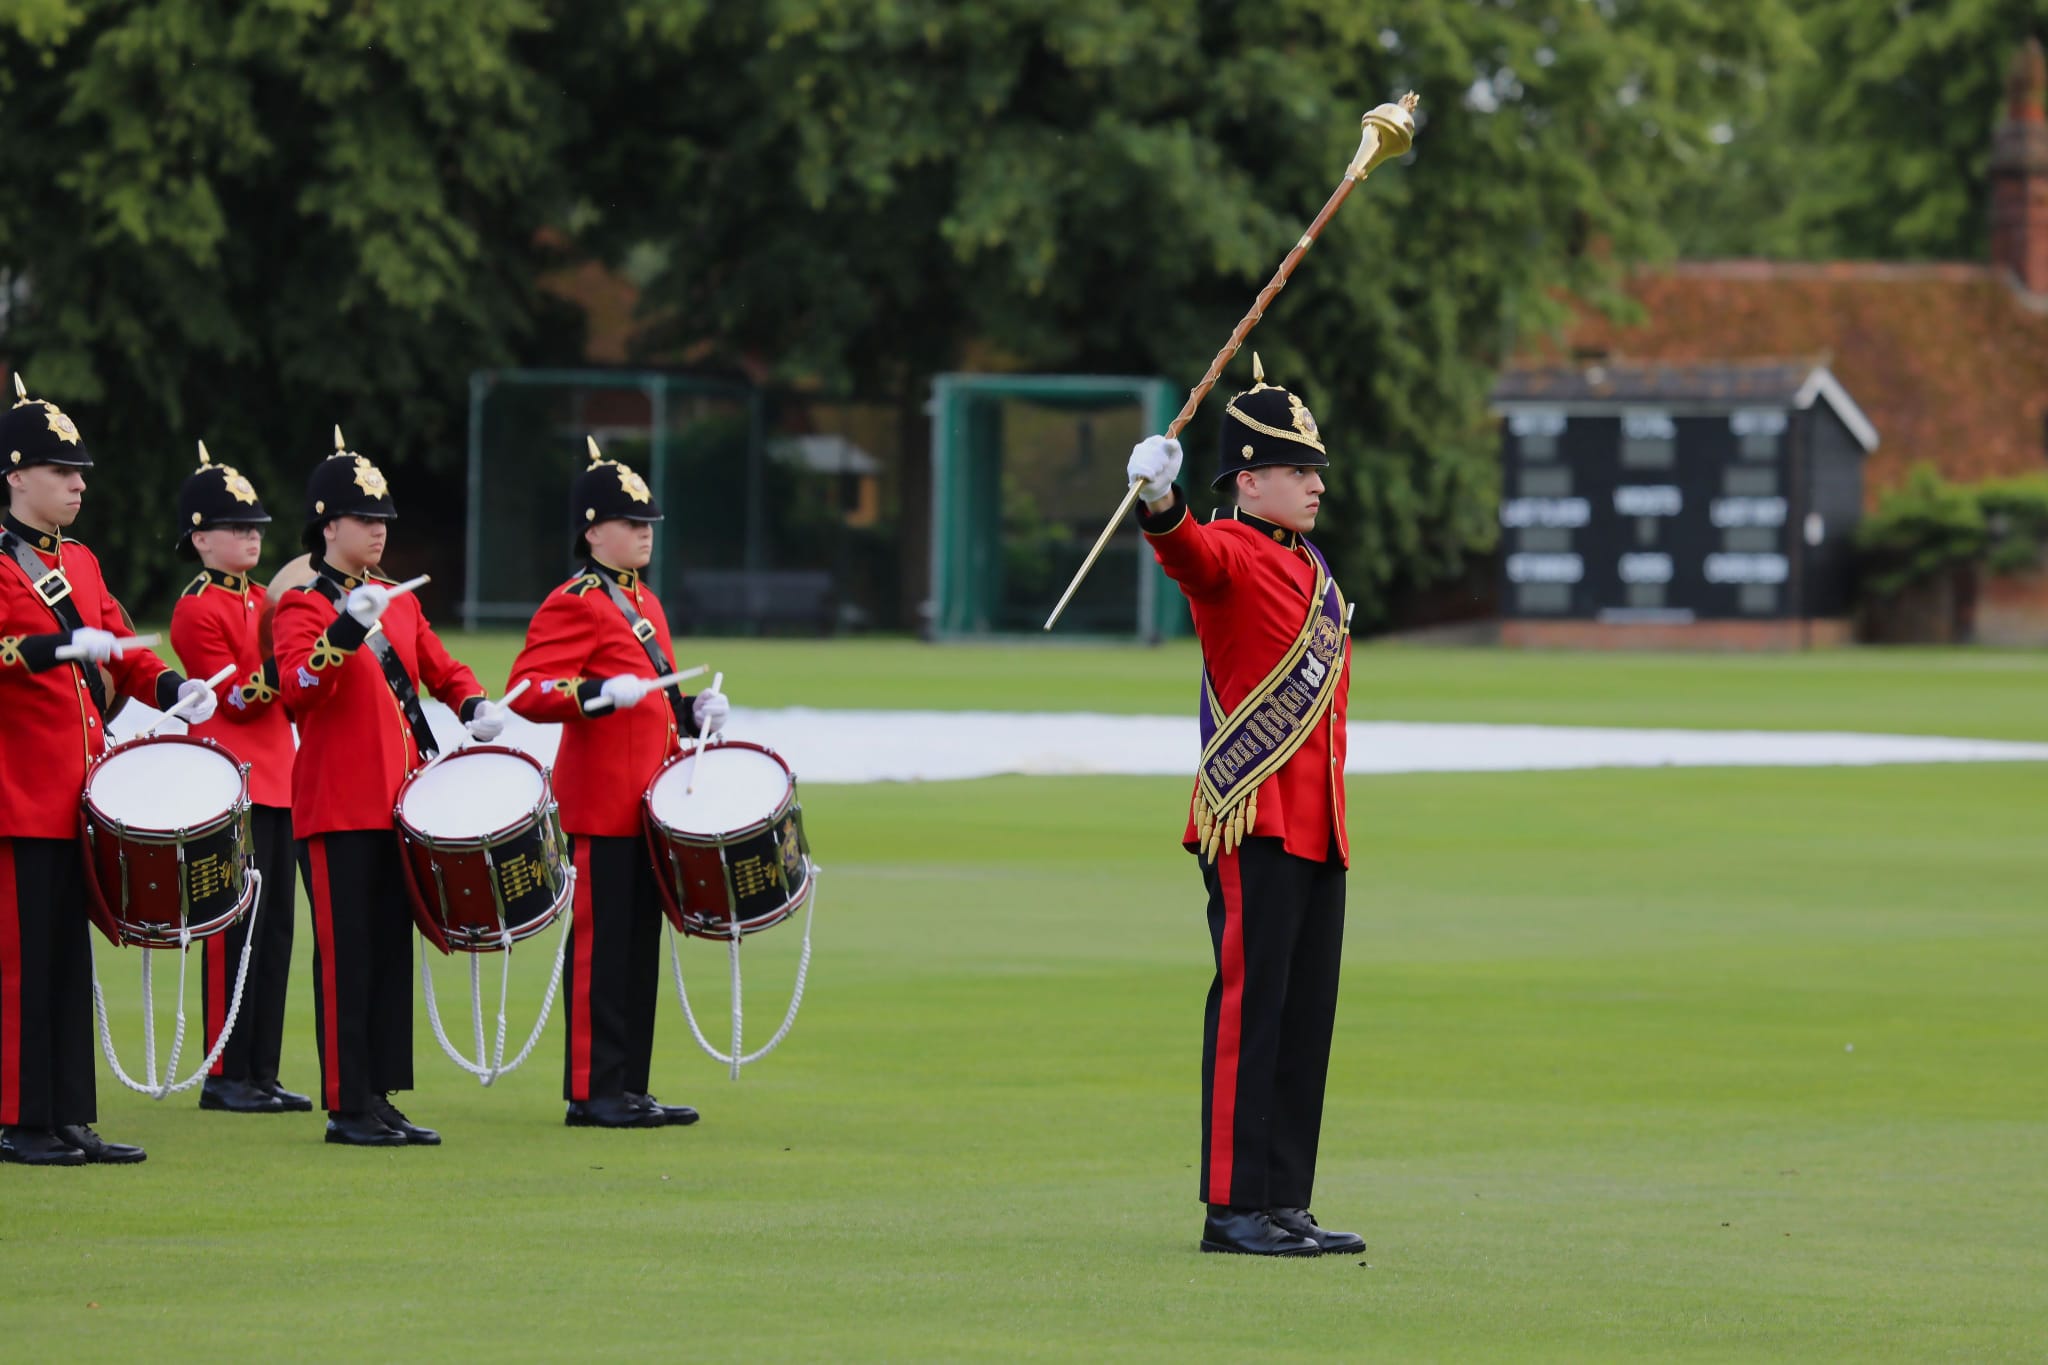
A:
1389, 132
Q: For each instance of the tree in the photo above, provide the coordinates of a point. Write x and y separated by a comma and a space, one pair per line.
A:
247, 222
868, 193
1877, 146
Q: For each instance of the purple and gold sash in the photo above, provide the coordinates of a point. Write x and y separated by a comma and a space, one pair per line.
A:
1273, 721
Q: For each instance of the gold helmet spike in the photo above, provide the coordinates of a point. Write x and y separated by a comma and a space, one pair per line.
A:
204, 458
20, 389
1258, 370
340, 448
596, 455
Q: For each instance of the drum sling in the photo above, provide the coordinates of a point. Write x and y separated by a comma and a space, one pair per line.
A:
55, 591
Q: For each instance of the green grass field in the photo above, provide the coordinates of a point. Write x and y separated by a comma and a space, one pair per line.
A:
1707, 1064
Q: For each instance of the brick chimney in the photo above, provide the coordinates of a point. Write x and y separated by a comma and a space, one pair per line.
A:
2019, 172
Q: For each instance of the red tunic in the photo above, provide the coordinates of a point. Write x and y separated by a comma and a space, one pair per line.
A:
355, 748
53, 728
1248, 584
213, 626
577, 640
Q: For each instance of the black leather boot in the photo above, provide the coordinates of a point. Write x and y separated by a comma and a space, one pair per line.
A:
674, 1115
412, 1132
97, 1149
612, 1111
1251, 1232
37, 1147
292, 1100
1302, 1223
237, 1097
362, 1130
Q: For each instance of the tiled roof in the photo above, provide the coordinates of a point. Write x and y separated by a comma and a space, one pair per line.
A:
1765, 381
1949, 361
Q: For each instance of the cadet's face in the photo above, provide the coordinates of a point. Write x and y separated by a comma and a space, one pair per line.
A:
355, 542
230, 549
46, 494
622, 544
1287, 496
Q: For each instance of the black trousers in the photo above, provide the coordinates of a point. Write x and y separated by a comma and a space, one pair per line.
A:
46, 1020
1277, 925
362, 966
252, 1048
614, 970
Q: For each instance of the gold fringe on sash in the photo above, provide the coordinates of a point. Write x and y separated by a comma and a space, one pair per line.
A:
1221, 832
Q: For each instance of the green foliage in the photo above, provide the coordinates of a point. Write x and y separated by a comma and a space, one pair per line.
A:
1083, 186
246, 222
1877, 146
2016, 522
1930, 527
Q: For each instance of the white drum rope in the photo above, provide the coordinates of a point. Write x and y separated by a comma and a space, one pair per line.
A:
734, 1059
488, 1067
149, 1085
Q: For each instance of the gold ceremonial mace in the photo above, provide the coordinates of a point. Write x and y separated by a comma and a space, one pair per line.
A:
1389, 132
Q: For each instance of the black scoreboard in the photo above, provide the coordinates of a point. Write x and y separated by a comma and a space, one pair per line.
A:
1671, 494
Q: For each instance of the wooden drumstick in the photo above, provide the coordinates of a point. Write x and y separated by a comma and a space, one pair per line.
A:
409, 585
516, 692
178, 709
690, 787
122, 644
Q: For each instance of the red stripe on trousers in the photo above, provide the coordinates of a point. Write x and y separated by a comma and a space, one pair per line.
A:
10, 989
330, 1005
1223, 1083
216, 951
586, 943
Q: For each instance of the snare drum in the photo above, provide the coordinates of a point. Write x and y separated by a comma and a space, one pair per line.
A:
483, 849
166, 828
732, 850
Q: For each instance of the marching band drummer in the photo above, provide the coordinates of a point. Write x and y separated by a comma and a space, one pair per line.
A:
53, 597
213, 626
351, 658
1268, 812
593, 650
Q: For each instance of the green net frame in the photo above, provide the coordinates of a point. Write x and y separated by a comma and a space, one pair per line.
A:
1024, 470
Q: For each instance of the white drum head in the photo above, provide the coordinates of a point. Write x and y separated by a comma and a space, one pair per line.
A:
470, 794
164, 786
735, 788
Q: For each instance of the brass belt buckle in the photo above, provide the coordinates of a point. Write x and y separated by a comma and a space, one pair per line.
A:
643, 630
52, 595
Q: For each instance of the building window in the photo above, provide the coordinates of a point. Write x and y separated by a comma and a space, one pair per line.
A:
1536, 433
1750, 483
1641, 595
1750, 539
1544, 539
1759, 599
1546, 483
1649, 440
1535, 597
1757, 431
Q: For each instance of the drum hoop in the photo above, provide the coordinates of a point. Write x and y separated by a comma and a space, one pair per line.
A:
724, 837
155, 835
472, 843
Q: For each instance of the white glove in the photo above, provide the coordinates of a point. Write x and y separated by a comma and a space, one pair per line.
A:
710, 710
624, 691
1155, 462
198, 702
487, 722
368, 602
96, 646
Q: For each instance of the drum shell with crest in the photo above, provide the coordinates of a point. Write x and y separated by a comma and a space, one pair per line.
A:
165, 820
727, 836
484, 856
